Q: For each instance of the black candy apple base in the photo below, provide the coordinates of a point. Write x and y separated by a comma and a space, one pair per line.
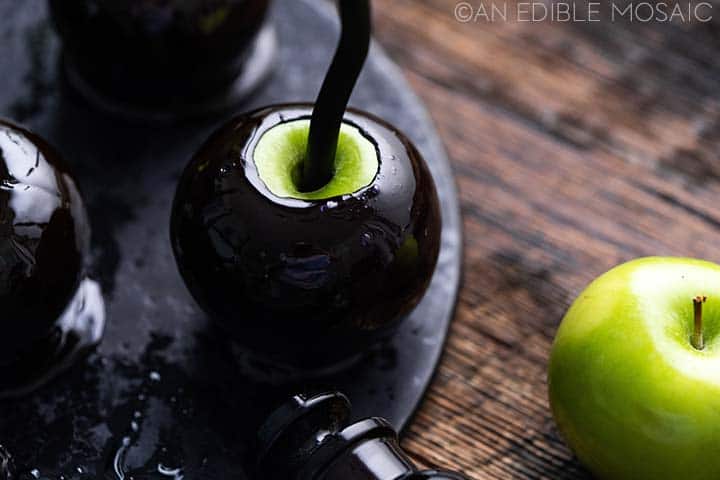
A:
257, 67
164, 60
78, 330
164, 391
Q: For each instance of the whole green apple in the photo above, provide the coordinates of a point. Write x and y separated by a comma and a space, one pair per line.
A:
634, 392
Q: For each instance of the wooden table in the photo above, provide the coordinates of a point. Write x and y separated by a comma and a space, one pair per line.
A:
576, 146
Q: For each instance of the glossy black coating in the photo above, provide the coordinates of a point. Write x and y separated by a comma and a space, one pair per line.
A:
44, 242
303, 440
305, 283
158, 53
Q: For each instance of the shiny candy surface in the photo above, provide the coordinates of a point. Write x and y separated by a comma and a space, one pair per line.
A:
305, 283
44, 240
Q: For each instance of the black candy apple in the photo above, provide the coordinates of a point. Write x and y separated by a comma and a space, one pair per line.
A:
306, 278
44, 243
305, 231
162, 54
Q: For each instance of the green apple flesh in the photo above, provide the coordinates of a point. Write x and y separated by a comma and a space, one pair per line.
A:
630, 394
281, 150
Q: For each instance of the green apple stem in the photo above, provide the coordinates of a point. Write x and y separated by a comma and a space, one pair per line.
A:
335, 93
697, 339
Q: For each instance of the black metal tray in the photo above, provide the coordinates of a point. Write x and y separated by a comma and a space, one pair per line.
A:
163, 395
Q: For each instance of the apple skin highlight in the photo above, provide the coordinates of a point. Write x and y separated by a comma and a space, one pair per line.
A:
305, 282
630, 394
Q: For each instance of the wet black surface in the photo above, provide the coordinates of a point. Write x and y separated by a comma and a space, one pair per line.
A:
164, 396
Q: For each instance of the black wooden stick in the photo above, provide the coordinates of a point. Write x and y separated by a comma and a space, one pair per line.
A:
335, 93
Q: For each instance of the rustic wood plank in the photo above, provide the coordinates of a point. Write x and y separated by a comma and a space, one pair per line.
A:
576, 147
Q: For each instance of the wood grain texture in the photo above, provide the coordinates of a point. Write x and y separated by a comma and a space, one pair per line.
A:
576, 147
